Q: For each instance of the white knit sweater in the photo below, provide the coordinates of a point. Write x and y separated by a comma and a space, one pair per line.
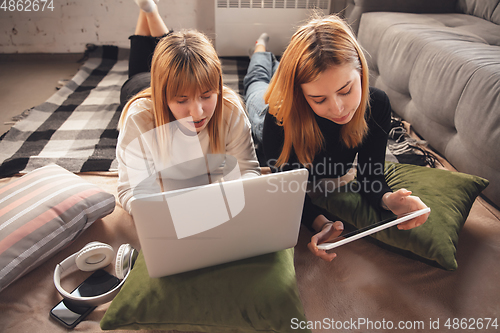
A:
141, 164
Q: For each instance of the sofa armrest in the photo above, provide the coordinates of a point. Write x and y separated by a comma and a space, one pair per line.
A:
355, 8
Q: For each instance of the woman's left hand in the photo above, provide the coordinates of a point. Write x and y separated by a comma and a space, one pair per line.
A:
402, 202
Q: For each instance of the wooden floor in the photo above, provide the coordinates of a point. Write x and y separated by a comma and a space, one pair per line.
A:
28, 80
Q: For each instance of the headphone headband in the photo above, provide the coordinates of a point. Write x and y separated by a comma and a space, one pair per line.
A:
94, 256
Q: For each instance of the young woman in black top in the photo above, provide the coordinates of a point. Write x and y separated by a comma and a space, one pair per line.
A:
315, 110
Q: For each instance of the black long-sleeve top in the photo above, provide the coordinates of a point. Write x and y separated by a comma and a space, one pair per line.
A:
335, 159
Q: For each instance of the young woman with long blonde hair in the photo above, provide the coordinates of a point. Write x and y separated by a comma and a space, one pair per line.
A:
314, 109
176, 111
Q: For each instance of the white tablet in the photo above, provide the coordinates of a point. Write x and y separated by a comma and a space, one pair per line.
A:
360, 233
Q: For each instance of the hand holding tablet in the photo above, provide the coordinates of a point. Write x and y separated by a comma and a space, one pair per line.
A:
360, 233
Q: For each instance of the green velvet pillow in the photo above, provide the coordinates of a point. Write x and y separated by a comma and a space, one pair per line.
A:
450, 196
255, 294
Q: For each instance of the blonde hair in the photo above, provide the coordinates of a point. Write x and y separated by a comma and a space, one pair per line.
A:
186, 62
317, 45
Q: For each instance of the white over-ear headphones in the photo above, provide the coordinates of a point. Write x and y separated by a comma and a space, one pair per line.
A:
94, 256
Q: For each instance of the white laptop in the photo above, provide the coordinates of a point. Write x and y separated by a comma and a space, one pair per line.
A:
202, 226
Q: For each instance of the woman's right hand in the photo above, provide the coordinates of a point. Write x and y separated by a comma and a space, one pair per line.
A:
329, 231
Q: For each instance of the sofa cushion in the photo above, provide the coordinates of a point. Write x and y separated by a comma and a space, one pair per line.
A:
442, 74
487, 33
486, 9
355, 8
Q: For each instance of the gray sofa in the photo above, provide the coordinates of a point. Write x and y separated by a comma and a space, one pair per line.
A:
439, 63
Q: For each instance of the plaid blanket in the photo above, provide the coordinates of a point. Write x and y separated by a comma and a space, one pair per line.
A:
76, 128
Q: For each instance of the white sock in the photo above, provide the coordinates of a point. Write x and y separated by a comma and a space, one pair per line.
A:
263, 39
146, 5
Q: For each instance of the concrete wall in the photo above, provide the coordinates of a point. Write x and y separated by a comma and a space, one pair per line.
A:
74, 23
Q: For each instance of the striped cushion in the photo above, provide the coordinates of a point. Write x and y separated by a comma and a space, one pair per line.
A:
40, 213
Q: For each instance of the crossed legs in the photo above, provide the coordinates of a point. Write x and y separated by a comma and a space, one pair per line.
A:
150, 23
149, 29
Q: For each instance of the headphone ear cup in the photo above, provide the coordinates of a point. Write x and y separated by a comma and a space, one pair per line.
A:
93, 256
120, 259
125, 259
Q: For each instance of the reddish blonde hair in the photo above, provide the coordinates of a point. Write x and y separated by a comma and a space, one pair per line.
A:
186, 62
317, 45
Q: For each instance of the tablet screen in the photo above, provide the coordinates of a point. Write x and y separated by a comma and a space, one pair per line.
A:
368, 230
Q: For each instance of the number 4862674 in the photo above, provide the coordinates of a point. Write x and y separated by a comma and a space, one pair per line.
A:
27, 5
471, 323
